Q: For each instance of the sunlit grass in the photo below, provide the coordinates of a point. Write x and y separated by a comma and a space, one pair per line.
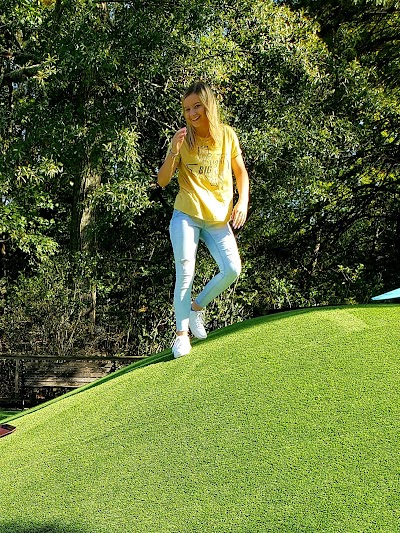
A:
287, 423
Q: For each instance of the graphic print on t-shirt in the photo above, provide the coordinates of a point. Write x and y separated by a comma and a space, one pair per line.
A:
209, 167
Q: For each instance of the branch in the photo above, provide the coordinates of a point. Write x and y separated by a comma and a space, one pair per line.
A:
20, 74
20, 56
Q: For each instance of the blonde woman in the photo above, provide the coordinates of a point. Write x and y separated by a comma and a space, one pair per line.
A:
205, 152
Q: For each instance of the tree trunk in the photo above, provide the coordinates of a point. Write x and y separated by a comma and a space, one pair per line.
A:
83, 235
397, 238
3, 256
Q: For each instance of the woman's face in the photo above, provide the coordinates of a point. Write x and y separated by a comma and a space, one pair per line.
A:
195, 113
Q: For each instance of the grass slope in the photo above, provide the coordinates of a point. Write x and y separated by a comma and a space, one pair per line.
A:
288, 423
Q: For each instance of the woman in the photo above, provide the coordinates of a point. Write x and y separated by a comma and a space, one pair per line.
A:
205, 152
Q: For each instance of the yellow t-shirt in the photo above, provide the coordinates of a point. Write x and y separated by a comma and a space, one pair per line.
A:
205, 178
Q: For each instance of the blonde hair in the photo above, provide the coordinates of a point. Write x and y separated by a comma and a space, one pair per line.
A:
207, 98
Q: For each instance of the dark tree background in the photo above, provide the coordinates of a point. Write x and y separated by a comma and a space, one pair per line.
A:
89, 97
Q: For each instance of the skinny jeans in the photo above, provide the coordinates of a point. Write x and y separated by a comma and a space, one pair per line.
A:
186, 232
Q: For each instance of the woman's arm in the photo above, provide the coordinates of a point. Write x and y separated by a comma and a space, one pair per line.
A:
168, 168
239, 213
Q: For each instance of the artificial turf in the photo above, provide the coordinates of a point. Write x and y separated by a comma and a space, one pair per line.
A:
285, 424
4, 413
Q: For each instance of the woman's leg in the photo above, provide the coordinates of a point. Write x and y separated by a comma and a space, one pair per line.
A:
221, 242
184, 233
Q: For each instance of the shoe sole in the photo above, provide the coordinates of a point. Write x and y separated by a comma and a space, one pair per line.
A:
180, 355
198, 337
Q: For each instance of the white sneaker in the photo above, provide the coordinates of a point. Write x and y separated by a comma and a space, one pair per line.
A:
181, 346
196, 324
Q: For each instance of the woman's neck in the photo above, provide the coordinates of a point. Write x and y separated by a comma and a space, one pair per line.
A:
204, 133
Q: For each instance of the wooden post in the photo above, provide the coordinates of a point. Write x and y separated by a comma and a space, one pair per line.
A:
16, 380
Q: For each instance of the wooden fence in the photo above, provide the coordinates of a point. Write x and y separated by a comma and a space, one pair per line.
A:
33, 372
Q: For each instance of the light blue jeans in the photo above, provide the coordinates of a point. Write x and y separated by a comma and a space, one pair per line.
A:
186, 232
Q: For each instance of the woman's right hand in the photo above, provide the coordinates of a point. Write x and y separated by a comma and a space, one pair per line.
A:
169, 166
177, 140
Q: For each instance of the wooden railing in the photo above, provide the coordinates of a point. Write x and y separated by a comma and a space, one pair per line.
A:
69, 379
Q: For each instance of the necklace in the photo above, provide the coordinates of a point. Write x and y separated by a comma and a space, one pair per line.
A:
204, 138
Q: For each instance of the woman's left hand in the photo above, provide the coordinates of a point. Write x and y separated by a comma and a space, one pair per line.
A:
239, 215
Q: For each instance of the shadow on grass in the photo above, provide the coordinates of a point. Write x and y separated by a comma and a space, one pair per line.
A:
17, 526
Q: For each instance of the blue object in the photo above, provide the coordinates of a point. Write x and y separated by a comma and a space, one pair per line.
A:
388, 295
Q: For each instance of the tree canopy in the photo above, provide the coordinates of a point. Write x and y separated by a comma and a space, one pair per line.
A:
89, 98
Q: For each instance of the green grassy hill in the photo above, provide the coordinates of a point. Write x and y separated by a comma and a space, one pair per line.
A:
288, 423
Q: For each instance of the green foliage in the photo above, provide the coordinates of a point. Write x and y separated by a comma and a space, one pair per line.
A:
90, 96
51, 312
48, 313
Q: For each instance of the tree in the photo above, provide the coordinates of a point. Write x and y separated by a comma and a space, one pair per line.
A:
360, 96
89, 98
